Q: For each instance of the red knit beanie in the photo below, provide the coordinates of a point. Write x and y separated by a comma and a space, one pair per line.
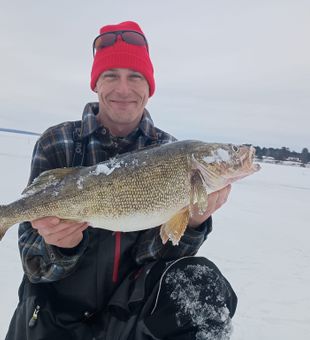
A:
123, 55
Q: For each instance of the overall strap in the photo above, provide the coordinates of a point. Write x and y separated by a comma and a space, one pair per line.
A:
80, 144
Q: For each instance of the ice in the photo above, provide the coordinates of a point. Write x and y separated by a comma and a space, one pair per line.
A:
260, 242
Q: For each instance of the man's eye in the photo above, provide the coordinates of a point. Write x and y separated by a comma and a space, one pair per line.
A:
136, 76
110, 76
235, 148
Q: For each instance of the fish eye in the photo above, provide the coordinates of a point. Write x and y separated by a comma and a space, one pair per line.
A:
235, 148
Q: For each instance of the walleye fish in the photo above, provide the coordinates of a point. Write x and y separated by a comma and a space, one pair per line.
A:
156, 186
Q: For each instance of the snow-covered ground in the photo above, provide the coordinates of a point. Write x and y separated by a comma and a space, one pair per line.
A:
260, 242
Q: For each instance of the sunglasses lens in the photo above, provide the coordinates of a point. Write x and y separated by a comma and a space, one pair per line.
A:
134, 38
104, 40
108, 39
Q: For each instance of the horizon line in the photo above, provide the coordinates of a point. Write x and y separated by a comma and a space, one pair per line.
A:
23, 132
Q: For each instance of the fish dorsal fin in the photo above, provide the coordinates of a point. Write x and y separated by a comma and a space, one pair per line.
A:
48, 178
199, 192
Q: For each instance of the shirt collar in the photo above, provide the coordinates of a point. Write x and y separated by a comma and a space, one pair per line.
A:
90, 124
89, 121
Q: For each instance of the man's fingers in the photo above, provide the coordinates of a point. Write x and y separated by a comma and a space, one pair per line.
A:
65, 237
72, 239
215, 201
51, 225
45, 221
222, 196
212, 202
61, 230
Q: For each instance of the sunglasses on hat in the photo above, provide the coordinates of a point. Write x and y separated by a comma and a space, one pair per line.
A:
108, 39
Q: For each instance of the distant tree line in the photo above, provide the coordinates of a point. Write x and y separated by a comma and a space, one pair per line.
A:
283, 154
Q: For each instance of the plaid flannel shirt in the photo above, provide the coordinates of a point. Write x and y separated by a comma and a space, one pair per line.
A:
55, 149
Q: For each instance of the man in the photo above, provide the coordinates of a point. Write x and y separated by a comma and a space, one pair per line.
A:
85, 283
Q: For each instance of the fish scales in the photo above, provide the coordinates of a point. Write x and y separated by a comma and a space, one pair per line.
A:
138, 189
126, 189
134, 191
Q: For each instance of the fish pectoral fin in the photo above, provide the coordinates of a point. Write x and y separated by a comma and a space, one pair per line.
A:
48, 178
198, 194
174, 229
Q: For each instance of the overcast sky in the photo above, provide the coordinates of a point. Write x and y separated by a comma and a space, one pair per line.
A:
227, 71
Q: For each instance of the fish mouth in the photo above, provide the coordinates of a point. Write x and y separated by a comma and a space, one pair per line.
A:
247, 156
254, 166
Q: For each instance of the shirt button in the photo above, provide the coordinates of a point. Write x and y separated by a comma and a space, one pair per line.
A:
87, 315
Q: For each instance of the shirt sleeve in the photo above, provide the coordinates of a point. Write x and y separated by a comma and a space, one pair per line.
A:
149, 246
43, 262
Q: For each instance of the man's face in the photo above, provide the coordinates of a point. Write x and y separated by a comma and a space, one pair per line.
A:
122, 95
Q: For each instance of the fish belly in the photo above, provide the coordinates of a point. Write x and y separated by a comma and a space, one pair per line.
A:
135, 221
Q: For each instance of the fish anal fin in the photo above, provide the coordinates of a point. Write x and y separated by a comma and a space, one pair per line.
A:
174, 229
48, 178
199, 194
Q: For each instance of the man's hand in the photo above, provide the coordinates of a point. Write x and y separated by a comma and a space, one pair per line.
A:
215, 201
60, 233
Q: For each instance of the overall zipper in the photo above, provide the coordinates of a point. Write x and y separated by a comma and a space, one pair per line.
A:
34, 318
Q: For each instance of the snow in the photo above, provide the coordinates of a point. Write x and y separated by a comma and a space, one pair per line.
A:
218, 155
186, 288
260, 242
50, 180
107, 168
103, 169
79, 183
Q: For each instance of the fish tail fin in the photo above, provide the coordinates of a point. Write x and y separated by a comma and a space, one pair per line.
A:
5, 222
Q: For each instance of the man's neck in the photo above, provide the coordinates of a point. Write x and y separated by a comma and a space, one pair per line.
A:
117, 130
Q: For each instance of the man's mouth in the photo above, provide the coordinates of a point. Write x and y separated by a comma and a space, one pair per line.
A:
122, 101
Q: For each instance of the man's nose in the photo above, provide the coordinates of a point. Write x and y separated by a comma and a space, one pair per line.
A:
123, 86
